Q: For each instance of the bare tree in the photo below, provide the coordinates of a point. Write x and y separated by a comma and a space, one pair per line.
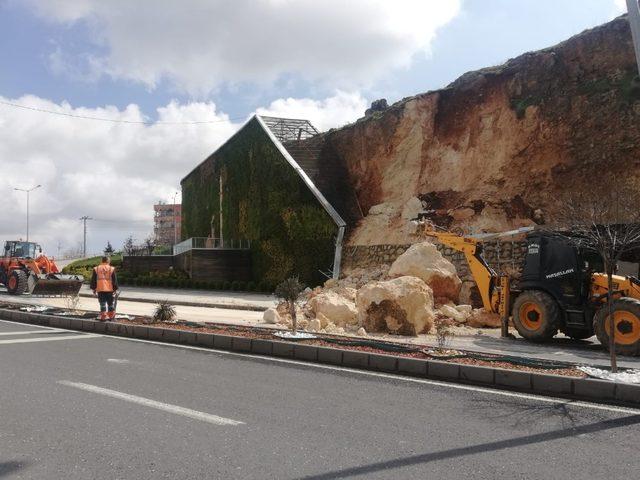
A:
128, 246
149, 244
290, 291
605, 221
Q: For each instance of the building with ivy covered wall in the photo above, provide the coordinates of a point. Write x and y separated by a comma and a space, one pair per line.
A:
253, 190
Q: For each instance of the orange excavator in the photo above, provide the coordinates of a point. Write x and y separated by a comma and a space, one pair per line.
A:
24, 269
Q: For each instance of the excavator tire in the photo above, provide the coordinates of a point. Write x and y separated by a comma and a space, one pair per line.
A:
626, 318
17, 282
536, 315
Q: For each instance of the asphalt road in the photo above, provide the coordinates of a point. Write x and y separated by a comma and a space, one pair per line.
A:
78, 406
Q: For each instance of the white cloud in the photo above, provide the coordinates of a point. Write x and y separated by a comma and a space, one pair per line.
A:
324, 114
620, 5
115, 172
199, 45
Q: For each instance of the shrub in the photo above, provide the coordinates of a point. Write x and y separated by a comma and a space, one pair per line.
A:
235, 285
251, 286
164, 312
226, 285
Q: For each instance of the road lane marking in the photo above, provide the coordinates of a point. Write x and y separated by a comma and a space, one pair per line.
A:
26, 332
117, 360
166, 407
48, 339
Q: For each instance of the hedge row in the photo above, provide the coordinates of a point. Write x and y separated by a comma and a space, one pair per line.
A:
237, 286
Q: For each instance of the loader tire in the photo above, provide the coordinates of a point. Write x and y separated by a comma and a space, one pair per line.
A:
17, 282
626, 318
536, 315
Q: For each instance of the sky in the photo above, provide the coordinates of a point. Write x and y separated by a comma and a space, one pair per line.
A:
150, 67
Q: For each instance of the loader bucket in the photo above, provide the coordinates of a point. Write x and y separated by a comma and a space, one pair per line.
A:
55, 285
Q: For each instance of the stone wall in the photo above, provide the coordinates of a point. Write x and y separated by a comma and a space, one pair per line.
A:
501, 256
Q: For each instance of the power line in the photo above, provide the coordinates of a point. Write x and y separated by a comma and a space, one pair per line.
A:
114, 120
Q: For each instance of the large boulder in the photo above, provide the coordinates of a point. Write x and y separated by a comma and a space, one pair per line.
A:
337, 308
480, 318
402, 306
271, 315
423, 260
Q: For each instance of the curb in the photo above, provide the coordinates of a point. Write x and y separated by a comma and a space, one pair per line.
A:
592, 390
182, 303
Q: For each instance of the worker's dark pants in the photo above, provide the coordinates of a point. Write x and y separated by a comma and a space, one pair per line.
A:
106, 301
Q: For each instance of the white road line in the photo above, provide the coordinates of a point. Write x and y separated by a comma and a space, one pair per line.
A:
48, 339
117, 360
37, 326
26, 332
166, 407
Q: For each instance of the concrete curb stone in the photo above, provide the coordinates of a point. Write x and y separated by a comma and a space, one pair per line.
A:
140, 331
413, 366
628, 393
594, 389
513, 378
187, 338
283, 349
204, 339
352, 358
330, 355
443, 370
552, 384
155, 333
384, 363
305, 352
222, 342
241, 344
262, 346
476, 374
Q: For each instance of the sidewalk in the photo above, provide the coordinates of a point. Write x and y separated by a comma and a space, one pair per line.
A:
561, 348
194, 298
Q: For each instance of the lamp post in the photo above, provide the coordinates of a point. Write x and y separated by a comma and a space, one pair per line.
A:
28, 191
175, 219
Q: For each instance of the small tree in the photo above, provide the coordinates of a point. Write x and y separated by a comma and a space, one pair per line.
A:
605, 220
149, 244
129, 245
108, 250
289, 291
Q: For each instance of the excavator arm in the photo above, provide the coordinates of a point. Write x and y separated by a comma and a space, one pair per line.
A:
485, 277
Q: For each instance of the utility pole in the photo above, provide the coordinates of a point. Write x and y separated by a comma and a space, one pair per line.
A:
27, 191
634, 21
221, 197
84, 242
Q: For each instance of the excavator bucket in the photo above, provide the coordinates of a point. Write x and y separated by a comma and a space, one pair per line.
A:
55, 285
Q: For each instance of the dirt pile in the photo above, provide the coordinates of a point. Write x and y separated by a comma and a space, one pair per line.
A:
496, 148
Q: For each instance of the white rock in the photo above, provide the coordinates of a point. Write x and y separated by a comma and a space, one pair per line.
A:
362, 332
336, 308
411, 209
453, 313
271, 315
324, 321
423, 260
466, 309
403, 306
314, 325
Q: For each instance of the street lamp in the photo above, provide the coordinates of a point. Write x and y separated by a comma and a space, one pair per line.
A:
175, 218
28, 191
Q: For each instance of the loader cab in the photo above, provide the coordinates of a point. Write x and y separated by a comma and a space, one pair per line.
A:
555, 266
19, 249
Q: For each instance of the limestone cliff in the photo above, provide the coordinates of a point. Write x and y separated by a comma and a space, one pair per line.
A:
493, 149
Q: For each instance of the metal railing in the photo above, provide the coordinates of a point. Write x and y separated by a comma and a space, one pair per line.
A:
210, 243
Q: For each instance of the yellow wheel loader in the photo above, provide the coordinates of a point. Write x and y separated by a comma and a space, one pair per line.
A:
561, 288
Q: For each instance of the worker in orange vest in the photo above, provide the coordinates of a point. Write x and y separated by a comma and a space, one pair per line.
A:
104, 283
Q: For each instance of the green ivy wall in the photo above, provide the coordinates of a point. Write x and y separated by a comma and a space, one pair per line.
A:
265, 201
